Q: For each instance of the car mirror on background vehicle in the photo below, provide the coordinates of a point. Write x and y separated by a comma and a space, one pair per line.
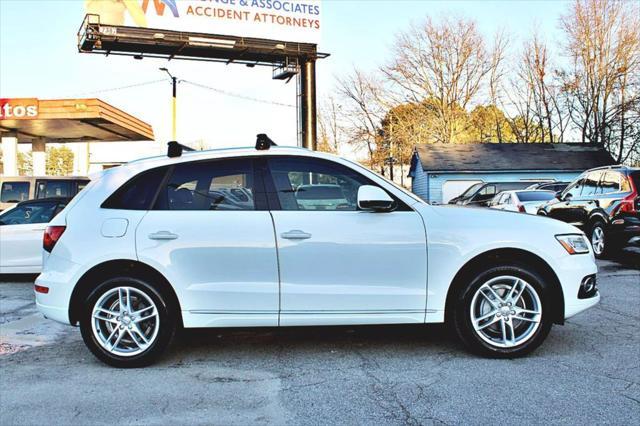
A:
374, 199
566, 197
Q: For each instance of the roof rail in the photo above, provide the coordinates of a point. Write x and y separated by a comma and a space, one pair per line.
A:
263, 142
612, 166
174, 149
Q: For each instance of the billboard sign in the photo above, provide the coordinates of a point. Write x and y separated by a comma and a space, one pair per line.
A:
19, 109
285, 20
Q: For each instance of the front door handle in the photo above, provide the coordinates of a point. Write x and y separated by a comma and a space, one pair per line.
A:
296, 234
163, 235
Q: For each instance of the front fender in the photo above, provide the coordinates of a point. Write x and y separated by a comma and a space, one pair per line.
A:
455, 236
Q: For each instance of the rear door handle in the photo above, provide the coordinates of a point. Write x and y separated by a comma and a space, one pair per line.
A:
163, 235
296, 234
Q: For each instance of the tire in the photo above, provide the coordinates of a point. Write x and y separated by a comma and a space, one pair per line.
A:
134, 336
523, 331
603, 246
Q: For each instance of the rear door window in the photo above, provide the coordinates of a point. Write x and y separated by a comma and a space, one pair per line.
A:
14, 192
610, 183
209, 185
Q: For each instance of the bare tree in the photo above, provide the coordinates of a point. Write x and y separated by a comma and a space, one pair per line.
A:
363, 113
545, 86
444, 63
522, 106
603, 43
330, 125
496, 76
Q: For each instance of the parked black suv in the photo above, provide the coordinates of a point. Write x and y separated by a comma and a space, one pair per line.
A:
480, 194
604, 203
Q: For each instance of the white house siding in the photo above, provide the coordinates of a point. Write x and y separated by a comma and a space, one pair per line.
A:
428, 186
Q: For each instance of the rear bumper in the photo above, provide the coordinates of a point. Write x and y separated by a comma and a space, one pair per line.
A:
59, 277
625, 227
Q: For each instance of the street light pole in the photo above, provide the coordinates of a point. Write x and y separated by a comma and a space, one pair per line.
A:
174, 80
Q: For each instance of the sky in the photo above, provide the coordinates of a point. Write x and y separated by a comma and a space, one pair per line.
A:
39, 58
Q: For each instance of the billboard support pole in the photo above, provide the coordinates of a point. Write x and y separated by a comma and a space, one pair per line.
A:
307, 110
174, 102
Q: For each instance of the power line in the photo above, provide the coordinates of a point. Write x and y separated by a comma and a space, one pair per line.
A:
114, 89
199, 85
237, 95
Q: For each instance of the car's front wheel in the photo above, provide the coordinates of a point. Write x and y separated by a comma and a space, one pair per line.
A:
503, 312
126, 322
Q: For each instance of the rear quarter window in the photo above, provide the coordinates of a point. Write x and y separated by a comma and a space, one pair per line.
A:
139, 192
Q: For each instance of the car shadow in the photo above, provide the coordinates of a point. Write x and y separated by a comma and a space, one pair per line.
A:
313, 336
627, 258
18, 278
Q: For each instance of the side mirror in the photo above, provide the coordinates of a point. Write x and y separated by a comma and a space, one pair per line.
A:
374, 199
566, 197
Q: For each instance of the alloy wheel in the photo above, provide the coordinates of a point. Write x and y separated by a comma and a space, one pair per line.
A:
125, 321
506, 311
598, 240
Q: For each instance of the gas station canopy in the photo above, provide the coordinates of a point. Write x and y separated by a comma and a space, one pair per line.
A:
69, 120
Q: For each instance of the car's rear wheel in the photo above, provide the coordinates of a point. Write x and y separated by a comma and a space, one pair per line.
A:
127, 323
598, 240
602, 244
503, 312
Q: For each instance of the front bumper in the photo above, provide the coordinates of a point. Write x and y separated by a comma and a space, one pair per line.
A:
59, 277
572, 271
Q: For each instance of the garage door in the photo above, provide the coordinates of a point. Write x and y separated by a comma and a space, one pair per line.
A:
453, 188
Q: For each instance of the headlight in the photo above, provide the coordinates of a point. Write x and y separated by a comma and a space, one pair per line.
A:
574, 244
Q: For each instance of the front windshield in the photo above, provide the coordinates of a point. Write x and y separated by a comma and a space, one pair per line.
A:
471, 190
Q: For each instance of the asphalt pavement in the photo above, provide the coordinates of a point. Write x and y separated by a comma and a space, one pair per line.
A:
587, 372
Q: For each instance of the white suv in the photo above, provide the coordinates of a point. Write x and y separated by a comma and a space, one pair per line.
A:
232, 238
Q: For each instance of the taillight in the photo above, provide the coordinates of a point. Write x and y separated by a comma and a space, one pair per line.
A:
521, 208
627, 206
628, 203
51, 236
41, 289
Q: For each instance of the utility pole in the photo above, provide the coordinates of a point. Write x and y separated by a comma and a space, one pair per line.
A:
174, 80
